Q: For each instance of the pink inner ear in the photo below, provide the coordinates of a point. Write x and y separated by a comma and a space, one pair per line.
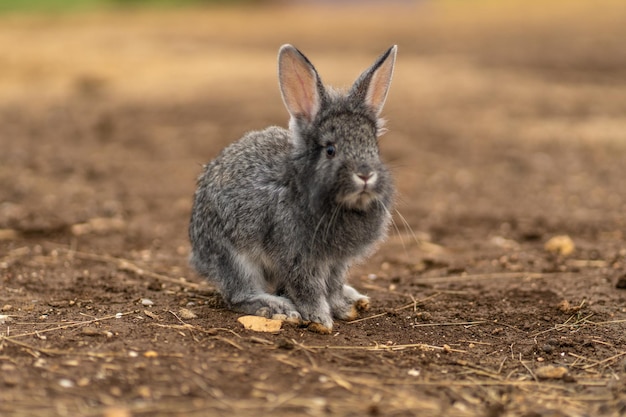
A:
299, 86
379, 85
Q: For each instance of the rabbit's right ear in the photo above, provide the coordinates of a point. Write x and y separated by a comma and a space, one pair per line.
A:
300, 85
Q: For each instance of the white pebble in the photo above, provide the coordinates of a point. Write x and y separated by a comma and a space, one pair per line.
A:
66, 383
118, 315
146, 302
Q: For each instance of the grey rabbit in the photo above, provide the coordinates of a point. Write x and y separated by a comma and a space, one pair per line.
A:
280, 215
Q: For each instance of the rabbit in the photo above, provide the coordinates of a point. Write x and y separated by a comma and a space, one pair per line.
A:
280, 215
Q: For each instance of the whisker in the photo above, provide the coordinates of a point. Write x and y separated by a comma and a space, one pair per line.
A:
333, 217
408, 227
395, 225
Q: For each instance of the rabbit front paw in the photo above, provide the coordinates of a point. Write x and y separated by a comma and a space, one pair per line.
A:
269, 306
318, 320
319, 328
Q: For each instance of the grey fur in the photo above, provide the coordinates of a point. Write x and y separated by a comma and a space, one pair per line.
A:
276, 222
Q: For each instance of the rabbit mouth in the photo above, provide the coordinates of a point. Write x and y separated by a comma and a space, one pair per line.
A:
363, 192
359, 200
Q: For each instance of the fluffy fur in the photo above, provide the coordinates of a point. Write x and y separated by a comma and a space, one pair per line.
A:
280, 215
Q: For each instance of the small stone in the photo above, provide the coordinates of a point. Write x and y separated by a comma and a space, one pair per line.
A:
560, 245
423, 316
551, 372
413, 372
7, 307
147, 302
566, 307
187, 314
4, 318
66, 383
91, 331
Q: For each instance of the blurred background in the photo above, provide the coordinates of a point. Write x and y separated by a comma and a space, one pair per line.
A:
508, 116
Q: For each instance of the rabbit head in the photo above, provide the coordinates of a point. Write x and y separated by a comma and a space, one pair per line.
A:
335, 134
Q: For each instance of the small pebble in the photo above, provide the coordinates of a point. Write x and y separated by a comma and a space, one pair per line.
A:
551, 372
66, 383
560, 245
146, 302
151, 354
187, 314
91, 331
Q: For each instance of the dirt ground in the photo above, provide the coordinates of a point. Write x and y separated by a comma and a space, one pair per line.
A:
500, 291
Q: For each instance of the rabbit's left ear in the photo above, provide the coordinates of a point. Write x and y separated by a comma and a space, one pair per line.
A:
372, 86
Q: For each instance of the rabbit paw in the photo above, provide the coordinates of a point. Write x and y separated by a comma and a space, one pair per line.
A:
352, 311
269, 313
362, 304
317, 318
270, 306
293, 317
349, 304
319, 328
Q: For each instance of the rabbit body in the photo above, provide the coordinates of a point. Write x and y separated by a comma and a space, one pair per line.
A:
280, 215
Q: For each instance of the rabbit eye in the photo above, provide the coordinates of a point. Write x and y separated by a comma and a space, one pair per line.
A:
331, 151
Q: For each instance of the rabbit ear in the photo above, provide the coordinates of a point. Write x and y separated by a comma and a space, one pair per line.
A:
300, 85
372, 86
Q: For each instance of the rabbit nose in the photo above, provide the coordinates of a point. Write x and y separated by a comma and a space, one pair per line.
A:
365, 177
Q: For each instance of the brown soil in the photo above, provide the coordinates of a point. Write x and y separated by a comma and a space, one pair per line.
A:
507, 129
